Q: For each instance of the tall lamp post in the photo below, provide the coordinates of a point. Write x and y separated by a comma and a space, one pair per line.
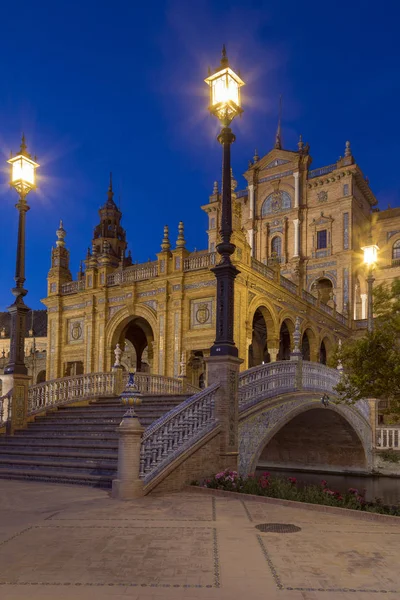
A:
225, 104
23, 180
370, 259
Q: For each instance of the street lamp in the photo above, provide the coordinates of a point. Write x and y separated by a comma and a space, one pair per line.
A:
23, 179
225, 104
370, 259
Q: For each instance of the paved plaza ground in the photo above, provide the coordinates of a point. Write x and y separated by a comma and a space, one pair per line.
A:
72, 542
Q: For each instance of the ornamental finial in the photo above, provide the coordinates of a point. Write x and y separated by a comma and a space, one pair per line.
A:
347, 151
278, 136
23, 147
61, 233
256, 158
180, 242
215, 188
166, 245
300, 144
224, 58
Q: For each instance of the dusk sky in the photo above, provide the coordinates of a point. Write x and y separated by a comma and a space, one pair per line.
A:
118, 86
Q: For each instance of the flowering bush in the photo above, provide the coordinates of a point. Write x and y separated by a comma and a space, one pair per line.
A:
289, 489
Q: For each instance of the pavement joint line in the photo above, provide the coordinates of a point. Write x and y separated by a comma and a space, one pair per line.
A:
280, 585
17, 534
250, 518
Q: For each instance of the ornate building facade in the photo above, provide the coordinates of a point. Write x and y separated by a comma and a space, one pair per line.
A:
298, 234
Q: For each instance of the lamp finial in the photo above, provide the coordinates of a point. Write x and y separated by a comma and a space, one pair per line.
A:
224, 58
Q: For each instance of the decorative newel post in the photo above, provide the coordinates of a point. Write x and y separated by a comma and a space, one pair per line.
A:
128, 484
223, 363
118, 370
297, 355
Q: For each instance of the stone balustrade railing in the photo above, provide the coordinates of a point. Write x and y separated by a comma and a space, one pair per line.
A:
69, 389
262, 269
135, 273
6, 407
264, 381
322, 171
289, 285
171, 435
272, 379
72, 287
317, 377
388, 437
160, 384
202, 261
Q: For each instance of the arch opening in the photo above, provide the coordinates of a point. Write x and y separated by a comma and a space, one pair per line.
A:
258, 349
284, 342
305, 347
318, 439
135, 338
323, 288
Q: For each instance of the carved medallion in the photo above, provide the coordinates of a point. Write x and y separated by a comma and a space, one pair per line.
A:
76, 330
322, 196
202, 314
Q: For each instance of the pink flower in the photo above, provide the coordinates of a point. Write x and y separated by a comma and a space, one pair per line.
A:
324, 483
266, 474
250, 476
264, 483
353, 491
330, 492
292, 480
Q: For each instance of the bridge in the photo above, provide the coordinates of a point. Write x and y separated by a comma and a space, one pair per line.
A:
281, 422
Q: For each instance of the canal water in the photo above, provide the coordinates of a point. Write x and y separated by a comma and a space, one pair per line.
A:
386, 488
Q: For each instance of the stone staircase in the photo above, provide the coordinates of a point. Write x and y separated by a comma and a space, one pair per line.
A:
75, 444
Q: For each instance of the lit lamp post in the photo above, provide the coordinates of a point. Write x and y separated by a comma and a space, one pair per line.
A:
225, 104
370, 259
23, 178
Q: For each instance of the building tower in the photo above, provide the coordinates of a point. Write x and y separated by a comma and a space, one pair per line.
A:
59, 272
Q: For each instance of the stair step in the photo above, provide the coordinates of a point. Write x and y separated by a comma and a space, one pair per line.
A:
19, 438
102, 481
34, 445
94, 467
58, 453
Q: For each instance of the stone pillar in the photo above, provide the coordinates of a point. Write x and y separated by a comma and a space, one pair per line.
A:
364, 304
118, 384
128, 484
296, 189
224, 370
296, 238
273, 348
251, 201
19, 408
251, 240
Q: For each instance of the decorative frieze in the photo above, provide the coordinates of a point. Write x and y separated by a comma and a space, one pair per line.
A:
151, 303
201, 284
152, 292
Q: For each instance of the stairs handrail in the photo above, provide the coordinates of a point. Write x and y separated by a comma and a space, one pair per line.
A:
173, 433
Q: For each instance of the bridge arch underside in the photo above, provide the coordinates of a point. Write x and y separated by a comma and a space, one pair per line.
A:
299, 433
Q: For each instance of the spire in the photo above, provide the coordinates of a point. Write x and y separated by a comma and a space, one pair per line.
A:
180, 242
256, 158
300, 144
215, 188
347, 151
224, 58
166, 245
278, 137
110, 195
23, 146
61, 233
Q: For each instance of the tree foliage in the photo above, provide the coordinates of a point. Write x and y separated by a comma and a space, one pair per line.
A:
371, 364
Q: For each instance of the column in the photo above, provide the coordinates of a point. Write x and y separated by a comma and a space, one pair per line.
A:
251, 240
296, 189
296, 245
364, 300
251, 201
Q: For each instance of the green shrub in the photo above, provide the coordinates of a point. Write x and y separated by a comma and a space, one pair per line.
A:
390, 456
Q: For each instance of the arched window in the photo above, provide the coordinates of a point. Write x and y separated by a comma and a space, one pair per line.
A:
396, 250
275, 202
276, 246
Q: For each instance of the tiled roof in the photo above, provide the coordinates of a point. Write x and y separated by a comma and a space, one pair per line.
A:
39, 323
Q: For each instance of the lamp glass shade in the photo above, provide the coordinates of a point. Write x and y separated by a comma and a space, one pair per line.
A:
225, 100
23, 173
370, 254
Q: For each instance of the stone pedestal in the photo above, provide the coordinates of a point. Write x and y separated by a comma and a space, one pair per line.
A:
118, 385
224, 370
128, 485
19, 409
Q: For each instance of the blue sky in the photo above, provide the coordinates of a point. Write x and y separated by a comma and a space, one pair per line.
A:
118, 86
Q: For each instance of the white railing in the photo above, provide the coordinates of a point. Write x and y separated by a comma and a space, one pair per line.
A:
6, 407
317, 377
72, 287
171, 435
388, 437
160, 384
69, 389
266, 381
135, 273
202, 261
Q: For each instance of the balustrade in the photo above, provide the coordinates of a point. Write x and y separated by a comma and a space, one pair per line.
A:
173, 433
264, 380
134, 273
388, 437
160, 384
289, 285
322, 171
72, 287
200, 261
262, 269
317, 377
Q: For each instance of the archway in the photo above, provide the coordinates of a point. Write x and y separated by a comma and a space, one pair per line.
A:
258, 349
323, 287
284, 341
134, 335
41, 377
317, 439
322, 353
305, 347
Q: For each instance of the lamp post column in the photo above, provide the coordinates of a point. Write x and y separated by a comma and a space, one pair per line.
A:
18, 310
370, 314
225, 272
